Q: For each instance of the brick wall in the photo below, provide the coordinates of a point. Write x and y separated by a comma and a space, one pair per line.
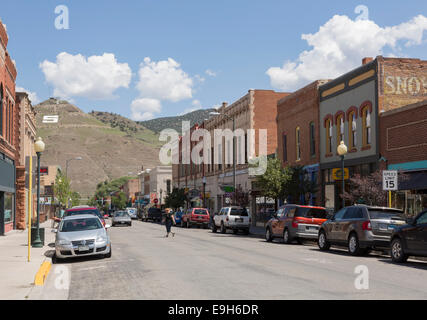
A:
403, 134
299, 110
265, 113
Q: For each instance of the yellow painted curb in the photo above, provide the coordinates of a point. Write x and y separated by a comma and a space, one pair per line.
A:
41, 275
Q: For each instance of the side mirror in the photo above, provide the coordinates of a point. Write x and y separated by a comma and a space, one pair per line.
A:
410, 221
55, 230
107, 226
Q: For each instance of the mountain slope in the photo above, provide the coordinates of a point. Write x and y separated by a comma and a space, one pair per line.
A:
159, 124
106, 152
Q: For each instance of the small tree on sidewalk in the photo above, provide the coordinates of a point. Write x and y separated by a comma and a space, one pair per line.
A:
176, 198
367, 190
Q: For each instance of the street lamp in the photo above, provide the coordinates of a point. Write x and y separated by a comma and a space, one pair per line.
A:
66, 164
342, 151
39, 148
234, 150
204, 191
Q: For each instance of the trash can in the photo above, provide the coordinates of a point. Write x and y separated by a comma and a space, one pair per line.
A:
33, 234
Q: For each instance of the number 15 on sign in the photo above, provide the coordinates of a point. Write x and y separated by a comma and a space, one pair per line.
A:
390, 180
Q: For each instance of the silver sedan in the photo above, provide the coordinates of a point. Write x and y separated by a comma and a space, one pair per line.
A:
81, 235
121, 217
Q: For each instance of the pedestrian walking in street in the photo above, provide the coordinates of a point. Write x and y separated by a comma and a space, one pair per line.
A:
169, 219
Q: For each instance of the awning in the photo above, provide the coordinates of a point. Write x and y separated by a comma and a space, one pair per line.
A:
416, 181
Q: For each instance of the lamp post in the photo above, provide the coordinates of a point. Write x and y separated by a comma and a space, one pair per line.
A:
39, 148
204, 192
234, 150
342, 151
66, 164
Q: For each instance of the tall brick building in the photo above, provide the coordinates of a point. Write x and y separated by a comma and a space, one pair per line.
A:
349, 111
255, 110
10, 171
298, 133
403, 147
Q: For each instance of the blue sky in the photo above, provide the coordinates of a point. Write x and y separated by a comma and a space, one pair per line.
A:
220, 49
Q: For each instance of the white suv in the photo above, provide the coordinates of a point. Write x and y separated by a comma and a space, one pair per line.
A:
234, 218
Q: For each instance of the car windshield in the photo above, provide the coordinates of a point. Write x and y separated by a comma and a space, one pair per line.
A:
238, 212
385, 214
121, 214
200, 211
316, 213
80, 225
77, 212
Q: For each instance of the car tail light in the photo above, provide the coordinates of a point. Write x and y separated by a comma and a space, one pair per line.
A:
366, 225
295, 222
226, 219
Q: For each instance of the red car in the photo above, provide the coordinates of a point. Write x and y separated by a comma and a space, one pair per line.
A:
195, 216
85, 210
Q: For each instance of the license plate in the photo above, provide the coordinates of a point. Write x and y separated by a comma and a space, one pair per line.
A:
122, 222
83, 248
239, 220
311, 228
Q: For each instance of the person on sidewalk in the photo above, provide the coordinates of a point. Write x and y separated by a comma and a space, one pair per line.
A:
168, 220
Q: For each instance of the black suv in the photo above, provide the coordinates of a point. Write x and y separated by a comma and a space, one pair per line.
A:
153, 214
410, 239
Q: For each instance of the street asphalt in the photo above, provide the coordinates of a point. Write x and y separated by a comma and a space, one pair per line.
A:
198, 264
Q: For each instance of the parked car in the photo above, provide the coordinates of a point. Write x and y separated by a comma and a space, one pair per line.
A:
132, 213
79, 210
121, 217
153, 214
360, 228
178, 217
410, 239
81, 235
295, 222
235, 218
195, 216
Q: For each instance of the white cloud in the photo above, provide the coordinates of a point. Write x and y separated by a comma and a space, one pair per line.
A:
164, 80
210, 73
145, 108
32, 95
95, 77
339, 45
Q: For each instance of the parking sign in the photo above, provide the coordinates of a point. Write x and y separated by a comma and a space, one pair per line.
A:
390, 180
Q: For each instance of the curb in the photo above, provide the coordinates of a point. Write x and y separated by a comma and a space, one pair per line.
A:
41, 275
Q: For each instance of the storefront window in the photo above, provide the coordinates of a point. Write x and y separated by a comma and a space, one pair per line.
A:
8, 207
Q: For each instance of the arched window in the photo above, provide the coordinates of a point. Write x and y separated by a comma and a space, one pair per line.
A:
298, 143
328, 135
352, 129
340, 128
366, 126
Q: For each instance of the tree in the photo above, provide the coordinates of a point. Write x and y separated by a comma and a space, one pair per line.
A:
176, 198
75, 198
299, 187
273, 182
119, 201
62, 189
367, 190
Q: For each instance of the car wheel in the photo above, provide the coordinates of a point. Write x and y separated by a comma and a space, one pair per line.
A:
108, 255
397, 253
246, 231
213, 228
235, 231
322, 242
353, 245
286, 237
55, 259
223, 229
130, 224
268, 235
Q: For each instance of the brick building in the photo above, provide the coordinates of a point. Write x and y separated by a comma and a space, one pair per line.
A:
130, 188
403, 147
12, 176
298, 133
348, 111
256, 110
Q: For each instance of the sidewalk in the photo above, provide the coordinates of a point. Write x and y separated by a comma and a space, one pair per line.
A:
17, 274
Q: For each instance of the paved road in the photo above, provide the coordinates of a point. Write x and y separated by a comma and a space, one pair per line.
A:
197, 264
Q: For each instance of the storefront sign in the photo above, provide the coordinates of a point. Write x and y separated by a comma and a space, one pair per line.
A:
337, 174
390, 180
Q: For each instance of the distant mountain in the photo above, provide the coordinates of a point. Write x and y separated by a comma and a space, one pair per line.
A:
108, 151
159, 124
